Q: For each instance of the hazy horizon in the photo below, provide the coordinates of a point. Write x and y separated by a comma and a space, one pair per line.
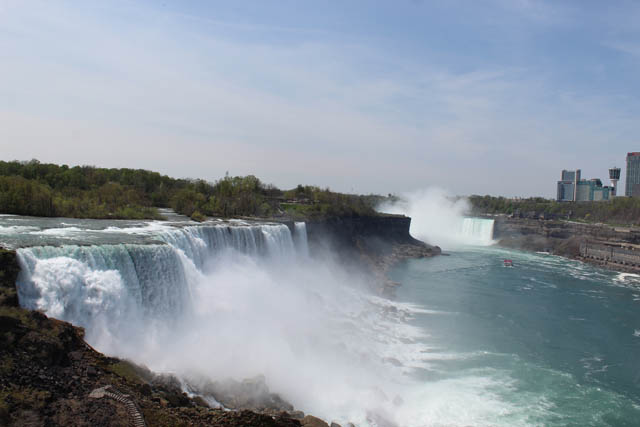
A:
367, 97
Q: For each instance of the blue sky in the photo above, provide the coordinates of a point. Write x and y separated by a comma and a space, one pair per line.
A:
476, 97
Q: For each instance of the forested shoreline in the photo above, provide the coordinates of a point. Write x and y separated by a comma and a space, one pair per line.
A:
50, 190
619, 210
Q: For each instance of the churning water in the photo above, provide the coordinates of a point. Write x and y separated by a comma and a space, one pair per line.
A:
467, 341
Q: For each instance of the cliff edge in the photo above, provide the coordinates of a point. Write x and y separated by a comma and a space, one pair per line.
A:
377, 243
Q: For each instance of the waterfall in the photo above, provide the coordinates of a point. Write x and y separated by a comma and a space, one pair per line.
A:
212, 301
300, 237
117, 284
477, 231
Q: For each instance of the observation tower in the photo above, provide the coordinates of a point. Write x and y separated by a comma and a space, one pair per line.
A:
614, 176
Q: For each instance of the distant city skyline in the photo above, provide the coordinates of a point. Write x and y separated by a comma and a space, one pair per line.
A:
492, 97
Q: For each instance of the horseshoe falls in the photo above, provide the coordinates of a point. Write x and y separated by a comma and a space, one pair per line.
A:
441, 220
477, 231
466, 341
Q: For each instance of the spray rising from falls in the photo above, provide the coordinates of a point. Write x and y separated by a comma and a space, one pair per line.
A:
218, 301
441, 220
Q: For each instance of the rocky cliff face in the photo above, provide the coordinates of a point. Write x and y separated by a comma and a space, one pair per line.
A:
345, 230
571, 239
513, 228
9, 270
376, 242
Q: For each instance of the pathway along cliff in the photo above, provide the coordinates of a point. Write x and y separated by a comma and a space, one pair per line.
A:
202, 304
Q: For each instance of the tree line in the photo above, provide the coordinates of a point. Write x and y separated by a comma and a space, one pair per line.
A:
45, 189
619, 210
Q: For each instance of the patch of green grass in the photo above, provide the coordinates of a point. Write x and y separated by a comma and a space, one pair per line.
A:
297, 210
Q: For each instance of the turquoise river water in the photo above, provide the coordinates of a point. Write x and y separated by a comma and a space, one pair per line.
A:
548, 342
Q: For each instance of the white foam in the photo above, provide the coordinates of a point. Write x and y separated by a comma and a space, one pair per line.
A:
60, 232
625, 277
468, 400
147, 229
68, 289
13, 230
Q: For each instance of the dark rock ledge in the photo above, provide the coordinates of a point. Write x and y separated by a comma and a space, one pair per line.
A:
375, 243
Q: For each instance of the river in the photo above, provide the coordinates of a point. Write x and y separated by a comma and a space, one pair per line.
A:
467, 341
548, 342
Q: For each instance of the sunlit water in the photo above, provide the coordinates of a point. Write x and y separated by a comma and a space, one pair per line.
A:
547, 342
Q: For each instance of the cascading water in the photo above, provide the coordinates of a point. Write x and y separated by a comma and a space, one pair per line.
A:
440, 220
218, 301
477, 231
82, 283
300, 237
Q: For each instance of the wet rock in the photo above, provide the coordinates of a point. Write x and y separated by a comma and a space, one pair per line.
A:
177, 400
298, 415
145, 389
200, 401
75, 356
311, 421
252, 393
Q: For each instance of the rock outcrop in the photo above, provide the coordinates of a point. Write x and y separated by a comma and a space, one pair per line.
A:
375, 242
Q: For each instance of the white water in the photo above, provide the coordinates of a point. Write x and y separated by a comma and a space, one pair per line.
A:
222, 301
477, 231
440, 220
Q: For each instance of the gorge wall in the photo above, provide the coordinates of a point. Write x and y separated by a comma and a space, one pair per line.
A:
613, 247
375, 243
347, 232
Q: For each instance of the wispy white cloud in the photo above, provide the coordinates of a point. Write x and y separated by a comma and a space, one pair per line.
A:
624, 47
